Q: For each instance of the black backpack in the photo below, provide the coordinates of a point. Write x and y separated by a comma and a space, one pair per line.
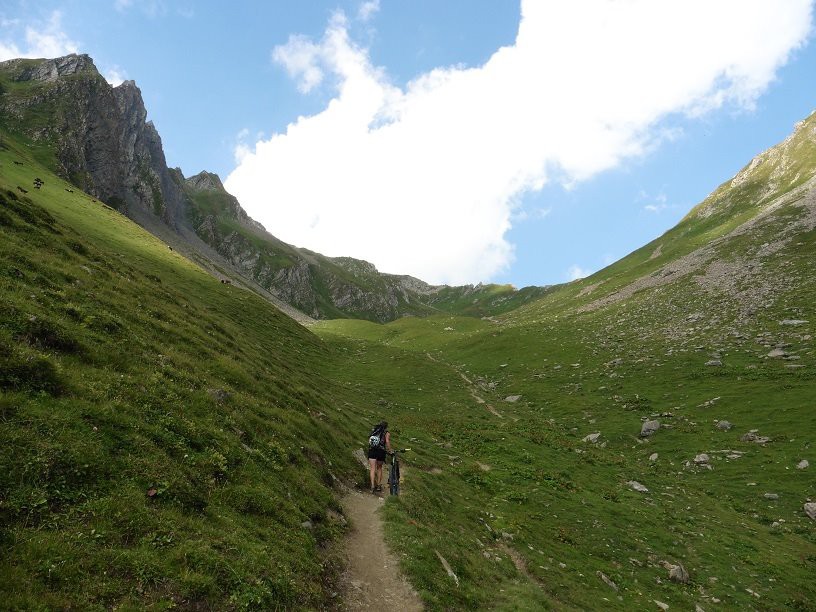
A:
377, 437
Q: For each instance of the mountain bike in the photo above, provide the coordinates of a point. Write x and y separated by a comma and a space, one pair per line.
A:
394, 472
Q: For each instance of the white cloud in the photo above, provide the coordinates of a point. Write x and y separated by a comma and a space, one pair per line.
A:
241, 148
656, 204
300, 57
151, 8
115, 76
423, 179
368, 9
45, 40
576, 272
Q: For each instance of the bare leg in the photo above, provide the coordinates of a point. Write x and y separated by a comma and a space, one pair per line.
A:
379, 473
372, 464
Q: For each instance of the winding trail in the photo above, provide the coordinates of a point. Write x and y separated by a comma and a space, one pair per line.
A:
471, 387
372, 579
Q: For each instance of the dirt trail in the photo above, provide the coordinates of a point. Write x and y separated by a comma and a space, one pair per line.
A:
471, 388
372, 578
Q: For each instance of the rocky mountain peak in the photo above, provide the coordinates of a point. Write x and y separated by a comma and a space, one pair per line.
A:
205, 181
52, 69
129, 100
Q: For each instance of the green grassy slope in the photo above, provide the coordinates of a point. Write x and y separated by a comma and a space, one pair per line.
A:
483, 300
165, 437
527, 513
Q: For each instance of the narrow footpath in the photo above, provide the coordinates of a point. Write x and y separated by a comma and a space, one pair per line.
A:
372, 579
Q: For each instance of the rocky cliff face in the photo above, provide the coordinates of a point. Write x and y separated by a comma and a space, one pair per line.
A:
100, 135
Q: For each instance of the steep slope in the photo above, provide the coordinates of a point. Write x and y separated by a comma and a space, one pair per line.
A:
169, 440
97, 137
545, 482
319, 286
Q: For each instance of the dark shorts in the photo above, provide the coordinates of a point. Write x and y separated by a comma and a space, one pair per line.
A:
376, 453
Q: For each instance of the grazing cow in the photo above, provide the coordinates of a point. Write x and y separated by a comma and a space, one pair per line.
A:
69, 190
21, 190
16, 163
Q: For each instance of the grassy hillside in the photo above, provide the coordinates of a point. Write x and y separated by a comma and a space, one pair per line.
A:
169, 441
172, 441
483, 300
713, 322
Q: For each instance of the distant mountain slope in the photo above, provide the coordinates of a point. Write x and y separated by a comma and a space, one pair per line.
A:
97, 137
725, 242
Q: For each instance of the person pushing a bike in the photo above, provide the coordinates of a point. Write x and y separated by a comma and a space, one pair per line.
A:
379, 444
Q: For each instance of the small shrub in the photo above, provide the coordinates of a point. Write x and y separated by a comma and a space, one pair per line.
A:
50, 335
5, 219
105, 323
33, 374
78, 247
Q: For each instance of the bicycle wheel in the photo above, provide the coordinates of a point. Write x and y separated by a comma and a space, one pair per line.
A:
393, 478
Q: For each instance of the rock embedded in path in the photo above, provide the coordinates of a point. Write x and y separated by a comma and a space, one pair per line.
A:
802, 465
636, 486
648, 428
593, 437
724, 425
810, 510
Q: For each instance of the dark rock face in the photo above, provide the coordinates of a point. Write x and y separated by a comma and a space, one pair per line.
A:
103, 142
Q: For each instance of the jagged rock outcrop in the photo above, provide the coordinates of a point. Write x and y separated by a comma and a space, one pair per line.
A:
102, 139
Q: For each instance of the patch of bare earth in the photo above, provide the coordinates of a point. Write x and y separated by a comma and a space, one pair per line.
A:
372, 579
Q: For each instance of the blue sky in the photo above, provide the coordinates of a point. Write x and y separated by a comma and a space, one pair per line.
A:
336, 134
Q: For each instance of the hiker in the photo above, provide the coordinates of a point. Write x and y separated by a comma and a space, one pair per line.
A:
379, 443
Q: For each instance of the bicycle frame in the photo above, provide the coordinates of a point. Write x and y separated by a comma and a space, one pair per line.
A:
394, 472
